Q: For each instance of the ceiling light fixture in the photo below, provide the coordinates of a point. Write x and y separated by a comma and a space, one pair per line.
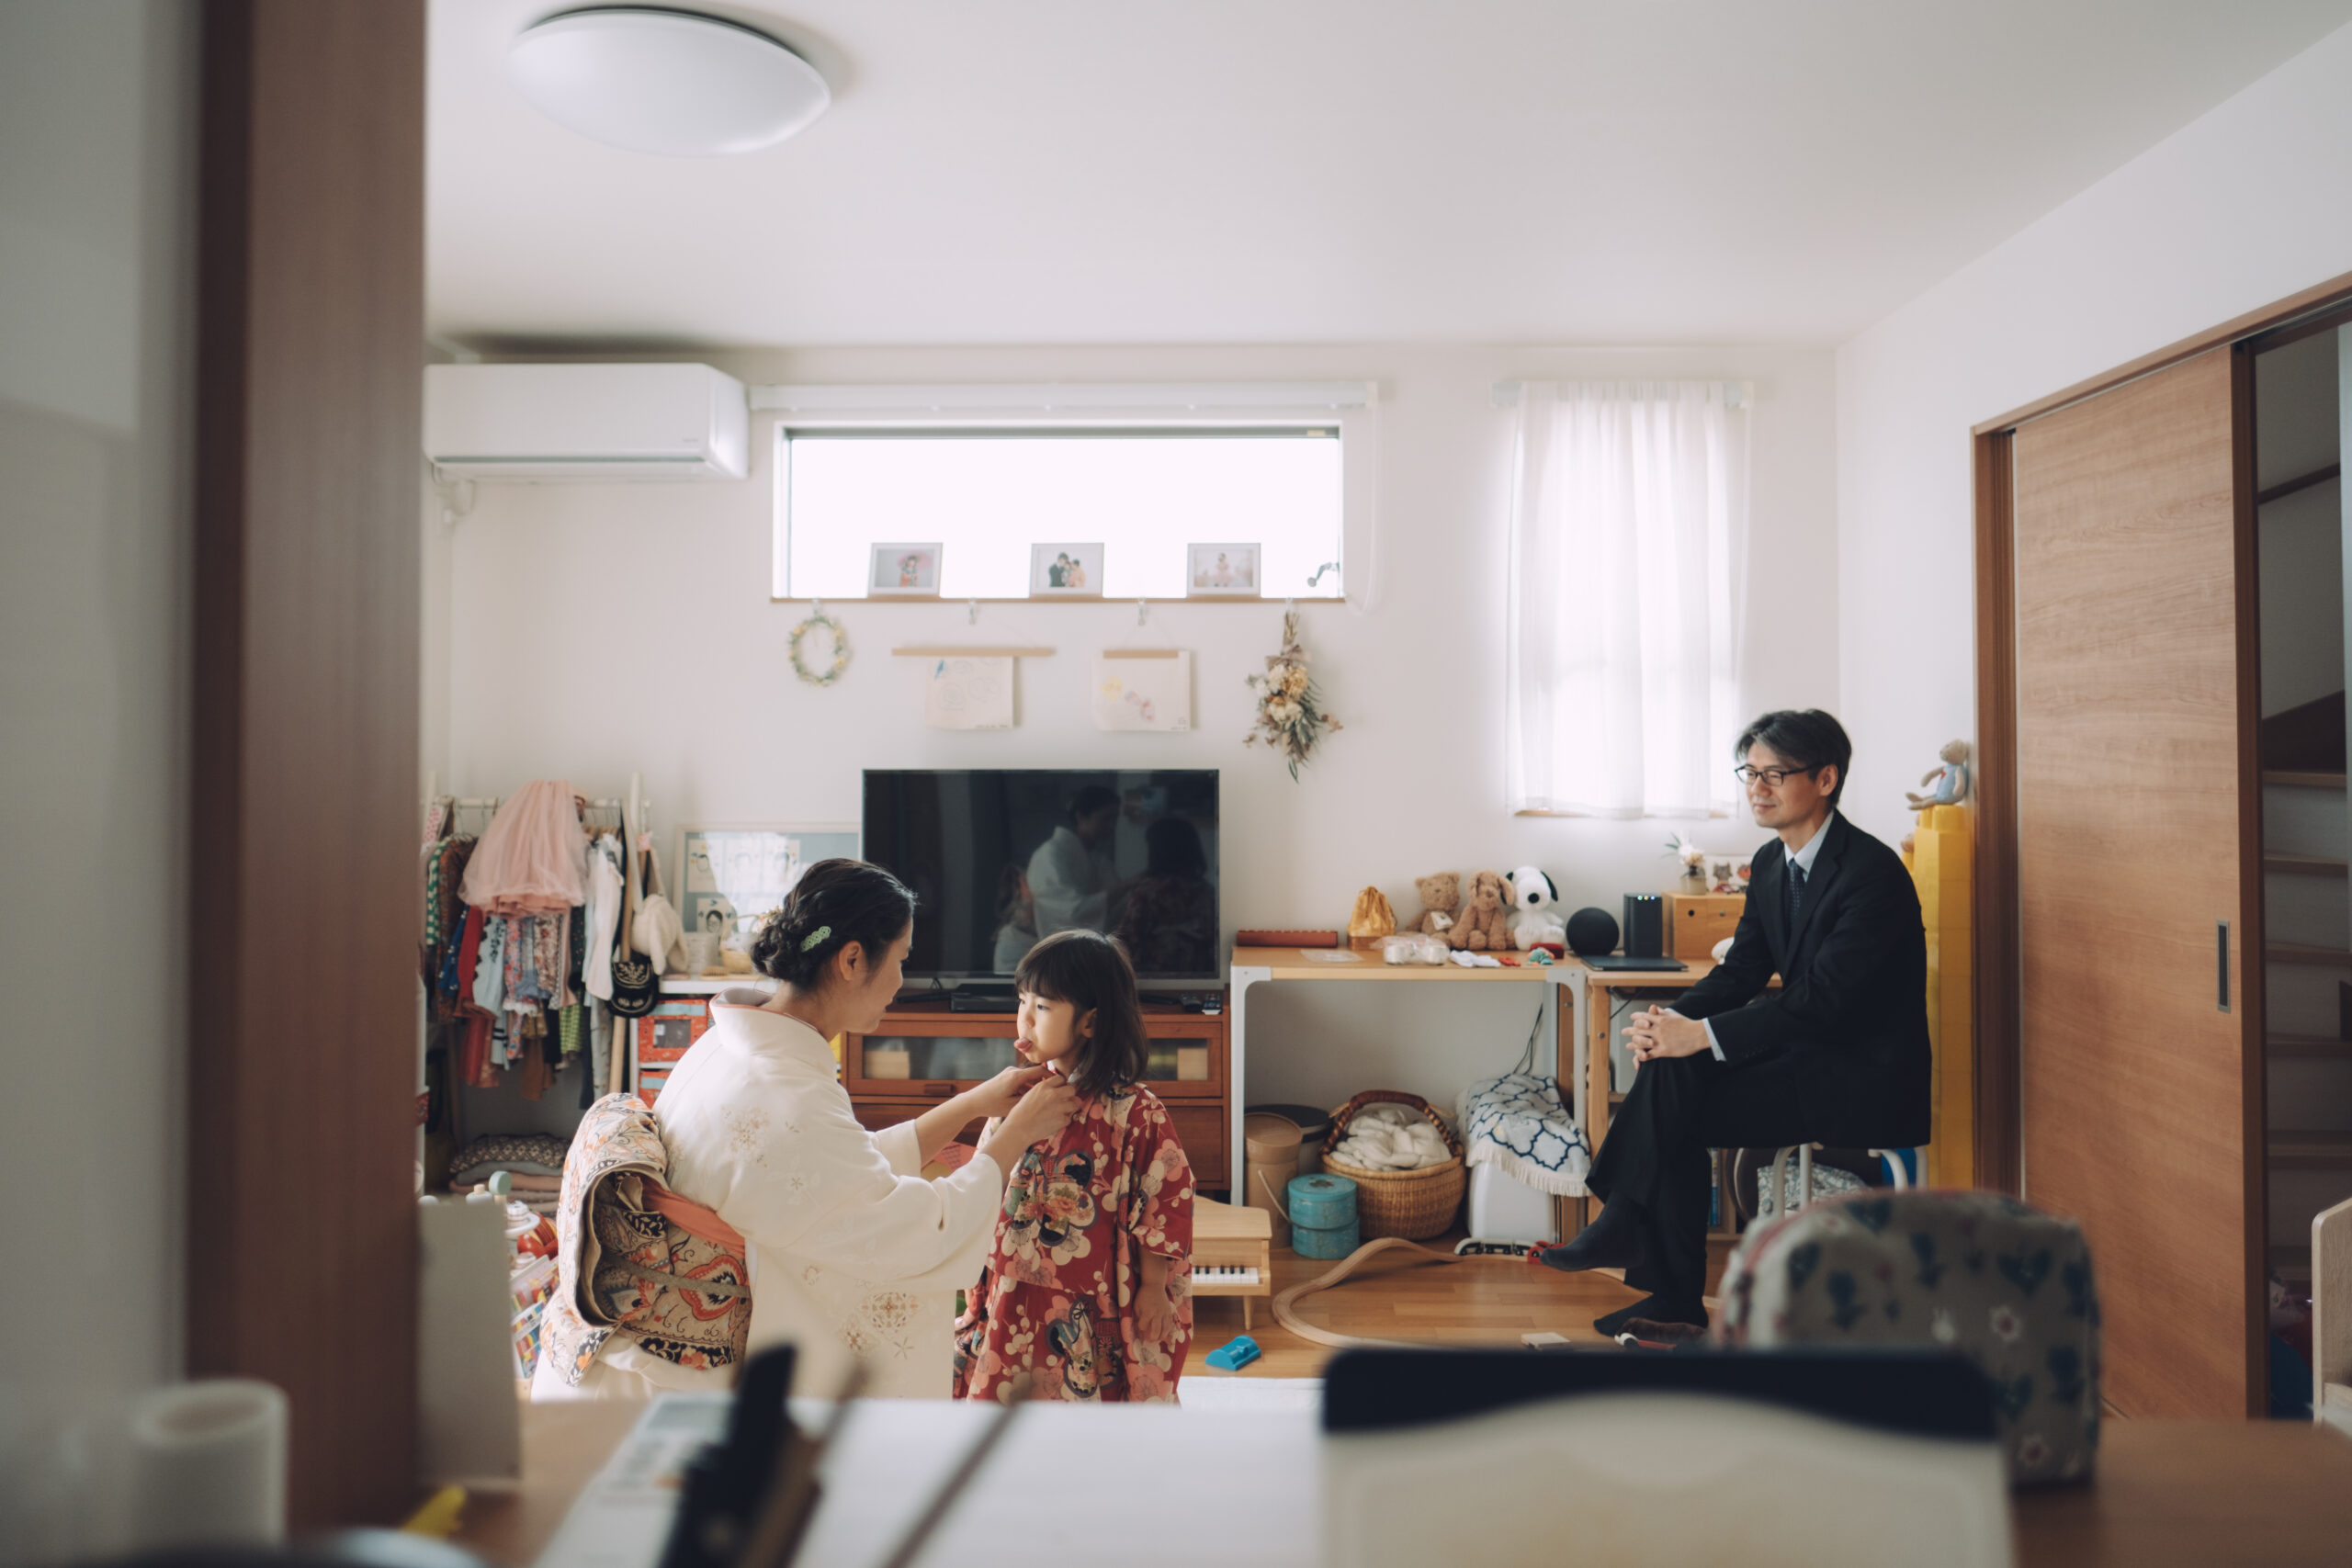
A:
673, 83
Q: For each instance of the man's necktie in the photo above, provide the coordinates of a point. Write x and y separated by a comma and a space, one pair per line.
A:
1796, 895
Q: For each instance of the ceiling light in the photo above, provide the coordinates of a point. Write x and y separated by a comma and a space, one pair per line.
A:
674, 83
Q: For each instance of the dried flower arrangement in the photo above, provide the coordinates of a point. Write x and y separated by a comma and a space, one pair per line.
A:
1290, 711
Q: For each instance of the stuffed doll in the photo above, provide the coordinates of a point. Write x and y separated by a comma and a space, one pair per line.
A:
1951, 780
1482, 924
1532, 894
1441, 902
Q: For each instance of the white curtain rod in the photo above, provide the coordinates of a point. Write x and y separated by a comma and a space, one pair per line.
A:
1736, 394
1068, 397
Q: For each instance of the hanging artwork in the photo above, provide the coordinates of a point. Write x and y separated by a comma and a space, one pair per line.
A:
966, 693
819, 648
1290, 710
1143, 688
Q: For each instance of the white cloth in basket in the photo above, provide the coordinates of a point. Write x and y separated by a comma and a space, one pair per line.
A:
1391, 1138
1518, 1124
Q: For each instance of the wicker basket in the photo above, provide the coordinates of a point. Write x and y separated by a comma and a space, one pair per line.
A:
1414, 1204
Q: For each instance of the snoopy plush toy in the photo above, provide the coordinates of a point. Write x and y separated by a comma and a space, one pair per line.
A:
1532, 894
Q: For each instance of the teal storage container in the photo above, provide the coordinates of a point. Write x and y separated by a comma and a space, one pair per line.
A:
1322, 1215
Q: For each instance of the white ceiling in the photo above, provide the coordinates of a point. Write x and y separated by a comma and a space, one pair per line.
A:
1294, 171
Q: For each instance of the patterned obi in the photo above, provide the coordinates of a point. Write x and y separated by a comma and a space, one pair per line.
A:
634, 1257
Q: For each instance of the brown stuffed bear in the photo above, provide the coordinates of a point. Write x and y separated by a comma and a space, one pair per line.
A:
1483, 923
1441, 901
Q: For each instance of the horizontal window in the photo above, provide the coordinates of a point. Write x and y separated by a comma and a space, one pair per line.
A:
987, 495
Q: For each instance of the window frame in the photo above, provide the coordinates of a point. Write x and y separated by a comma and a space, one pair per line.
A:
1017, 409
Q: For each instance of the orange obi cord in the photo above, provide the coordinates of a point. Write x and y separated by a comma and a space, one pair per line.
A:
692, 1218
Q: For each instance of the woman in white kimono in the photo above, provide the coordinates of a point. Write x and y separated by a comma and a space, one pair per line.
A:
852, 1252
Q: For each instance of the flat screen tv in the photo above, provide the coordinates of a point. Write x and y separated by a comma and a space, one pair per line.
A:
1002, 858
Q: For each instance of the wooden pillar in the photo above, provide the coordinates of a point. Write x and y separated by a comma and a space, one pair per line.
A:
301, 1264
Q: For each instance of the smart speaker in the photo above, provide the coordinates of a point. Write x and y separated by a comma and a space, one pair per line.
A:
1645, 925
1591, 934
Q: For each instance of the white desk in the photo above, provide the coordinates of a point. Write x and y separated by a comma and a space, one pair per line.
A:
1257, 965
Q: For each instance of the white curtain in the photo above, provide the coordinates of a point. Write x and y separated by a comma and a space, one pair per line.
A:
1628, 540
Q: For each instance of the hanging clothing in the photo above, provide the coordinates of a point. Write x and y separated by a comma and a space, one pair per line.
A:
1057, 1299
533, 859
854, 1252
604, 915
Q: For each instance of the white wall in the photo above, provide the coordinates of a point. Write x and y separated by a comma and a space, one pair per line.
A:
2237, 210
597, 629
96, 140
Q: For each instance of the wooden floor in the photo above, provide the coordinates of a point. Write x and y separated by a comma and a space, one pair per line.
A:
1477, 1301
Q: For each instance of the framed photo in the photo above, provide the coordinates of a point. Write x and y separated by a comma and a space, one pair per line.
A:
730, 874
903, 572
1221, 571
1727, 874
1066, 571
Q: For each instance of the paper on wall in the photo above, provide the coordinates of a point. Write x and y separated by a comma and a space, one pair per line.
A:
968, 694
1143, 693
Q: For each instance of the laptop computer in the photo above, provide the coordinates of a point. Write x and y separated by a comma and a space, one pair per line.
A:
1618, 961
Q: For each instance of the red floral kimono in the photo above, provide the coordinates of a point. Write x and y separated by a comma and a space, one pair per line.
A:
1058, 1297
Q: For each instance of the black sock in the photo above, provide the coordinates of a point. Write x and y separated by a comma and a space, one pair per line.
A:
1613, 1241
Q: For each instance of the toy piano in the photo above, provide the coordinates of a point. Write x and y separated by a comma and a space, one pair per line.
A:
1233, 1252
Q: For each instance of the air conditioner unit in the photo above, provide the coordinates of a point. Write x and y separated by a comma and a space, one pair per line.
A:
567, 422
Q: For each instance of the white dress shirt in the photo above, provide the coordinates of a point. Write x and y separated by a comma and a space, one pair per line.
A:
1803, 860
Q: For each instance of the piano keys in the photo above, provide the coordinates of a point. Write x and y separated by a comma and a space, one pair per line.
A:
1233, 1252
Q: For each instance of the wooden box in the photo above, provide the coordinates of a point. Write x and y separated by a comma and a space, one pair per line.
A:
1696, 921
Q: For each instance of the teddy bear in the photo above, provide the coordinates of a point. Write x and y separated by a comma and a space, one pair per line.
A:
1532, 894
1441, 901
1482, 924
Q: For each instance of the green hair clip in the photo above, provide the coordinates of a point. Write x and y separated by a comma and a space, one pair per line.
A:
813, 938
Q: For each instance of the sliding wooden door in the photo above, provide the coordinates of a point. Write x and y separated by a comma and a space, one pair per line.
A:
2137, 828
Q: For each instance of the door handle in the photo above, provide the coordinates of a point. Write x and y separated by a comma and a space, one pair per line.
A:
2222, 965
940, 1090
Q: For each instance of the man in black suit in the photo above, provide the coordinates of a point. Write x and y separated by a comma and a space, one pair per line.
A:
1837, 1055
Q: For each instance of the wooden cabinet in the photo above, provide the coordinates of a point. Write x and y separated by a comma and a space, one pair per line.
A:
925, 1054
1696, 921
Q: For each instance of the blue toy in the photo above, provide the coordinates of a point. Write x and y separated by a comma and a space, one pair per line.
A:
1235, 1353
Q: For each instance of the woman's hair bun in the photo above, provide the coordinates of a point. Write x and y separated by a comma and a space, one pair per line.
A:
835, 902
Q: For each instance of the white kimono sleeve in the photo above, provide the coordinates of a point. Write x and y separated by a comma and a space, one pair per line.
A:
831, 1192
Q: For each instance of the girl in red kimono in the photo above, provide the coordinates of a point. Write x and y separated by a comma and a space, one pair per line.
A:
1088, 1286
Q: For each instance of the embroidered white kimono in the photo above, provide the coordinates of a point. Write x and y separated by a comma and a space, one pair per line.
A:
852, 1251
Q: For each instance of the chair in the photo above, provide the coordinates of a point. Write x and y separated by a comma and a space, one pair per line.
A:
2331, 1316
1897, 1169
1471, 1458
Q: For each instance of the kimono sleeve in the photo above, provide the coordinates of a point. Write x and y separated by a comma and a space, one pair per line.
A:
826, 1191
1160, 1200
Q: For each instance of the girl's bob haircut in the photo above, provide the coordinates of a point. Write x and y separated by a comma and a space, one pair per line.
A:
1089, 972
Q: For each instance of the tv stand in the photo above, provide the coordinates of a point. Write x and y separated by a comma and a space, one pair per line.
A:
932, 1046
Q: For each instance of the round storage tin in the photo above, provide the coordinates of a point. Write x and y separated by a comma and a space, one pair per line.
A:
1322, 1217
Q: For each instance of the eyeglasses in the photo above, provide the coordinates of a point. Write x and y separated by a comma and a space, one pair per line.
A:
1774, 777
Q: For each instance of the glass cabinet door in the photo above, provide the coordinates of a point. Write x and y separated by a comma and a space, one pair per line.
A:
955, 1057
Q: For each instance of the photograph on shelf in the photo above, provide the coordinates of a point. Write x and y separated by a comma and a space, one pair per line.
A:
903, 572
1727, 874
1221, 571
1066, 571
731, 874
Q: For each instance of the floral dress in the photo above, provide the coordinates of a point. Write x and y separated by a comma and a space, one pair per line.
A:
1058, 1297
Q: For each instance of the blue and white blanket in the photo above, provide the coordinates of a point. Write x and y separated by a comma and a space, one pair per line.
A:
1517, 1123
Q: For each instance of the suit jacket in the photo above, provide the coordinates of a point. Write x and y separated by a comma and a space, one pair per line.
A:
1850, 1018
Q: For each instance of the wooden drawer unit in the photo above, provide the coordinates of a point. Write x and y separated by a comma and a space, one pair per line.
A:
925, 1054
1696, 921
